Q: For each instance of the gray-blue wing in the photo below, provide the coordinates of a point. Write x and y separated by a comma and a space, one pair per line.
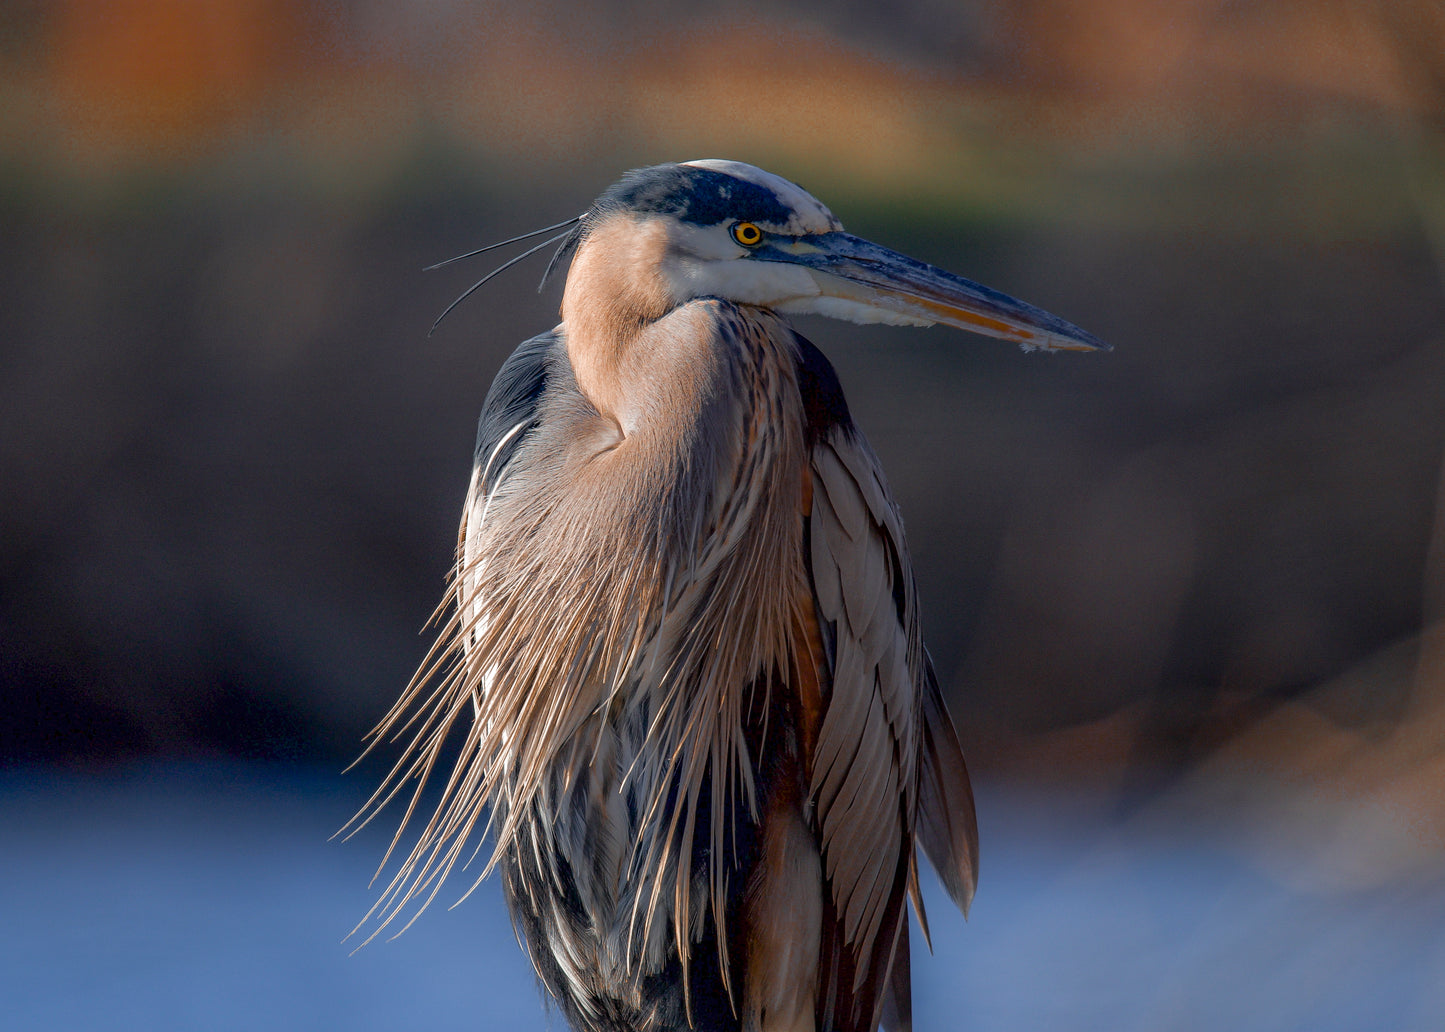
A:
508, 415
887, 764
512, 401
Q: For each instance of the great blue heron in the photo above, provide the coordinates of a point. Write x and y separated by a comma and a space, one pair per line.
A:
682, 634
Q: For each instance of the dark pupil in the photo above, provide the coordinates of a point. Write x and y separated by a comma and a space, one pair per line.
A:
748, 233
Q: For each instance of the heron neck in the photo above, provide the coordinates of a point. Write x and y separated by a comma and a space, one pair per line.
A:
613, 294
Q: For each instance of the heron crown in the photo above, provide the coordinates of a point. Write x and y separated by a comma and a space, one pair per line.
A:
712, 191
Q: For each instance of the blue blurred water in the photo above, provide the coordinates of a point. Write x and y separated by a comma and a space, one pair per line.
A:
208, 897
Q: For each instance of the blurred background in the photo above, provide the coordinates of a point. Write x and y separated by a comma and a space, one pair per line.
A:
1185, 598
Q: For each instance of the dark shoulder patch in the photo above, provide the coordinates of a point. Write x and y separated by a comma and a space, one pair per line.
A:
823, 403
513, 398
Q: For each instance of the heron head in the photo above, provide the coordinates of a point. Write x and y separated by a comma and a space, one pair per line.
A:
725, 229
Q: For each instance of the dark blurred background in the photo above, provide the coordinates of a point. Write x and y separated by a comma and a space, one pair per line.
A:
1193, 587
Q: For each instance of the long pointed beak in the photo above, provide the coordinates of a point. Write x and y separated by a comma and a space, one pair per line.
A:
859, 280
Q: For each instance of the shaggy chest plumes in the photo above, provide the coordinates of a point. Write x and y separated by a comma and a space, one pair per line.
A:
602, 578
580, 633
619, 720
681, 647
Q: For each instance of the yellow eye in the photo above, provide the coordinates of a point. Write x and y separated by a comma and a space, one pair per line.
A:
747, 234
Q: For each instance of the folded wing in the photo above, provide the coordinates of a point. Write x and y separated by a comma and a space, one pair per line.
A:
887, 764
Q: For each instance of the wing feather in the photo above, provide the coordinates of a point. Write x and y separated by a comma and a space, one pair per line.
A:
887, 764
866, 761
827, 578
836, 754
898, 1001
867, 476
947, 823
842, 490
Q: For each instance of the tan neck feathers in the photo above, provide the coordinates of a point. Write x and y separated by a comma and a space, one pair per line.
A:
613, 291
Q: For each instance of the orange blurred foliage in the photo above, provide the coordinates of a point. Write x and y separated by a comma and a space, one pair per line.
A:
146, 79
161, 75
